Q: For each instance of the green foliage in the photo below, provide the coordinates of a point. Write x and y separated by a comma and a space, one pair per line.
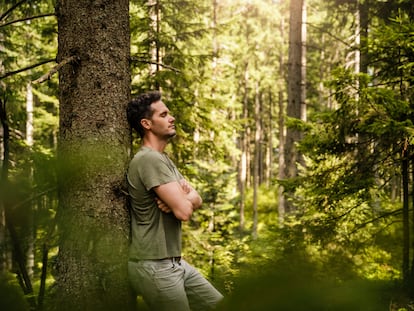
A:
209, 239
296, 284
344, 194
29, 193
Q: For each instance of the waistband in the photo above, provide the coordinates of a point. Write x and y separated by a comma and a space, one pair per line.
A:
169, 259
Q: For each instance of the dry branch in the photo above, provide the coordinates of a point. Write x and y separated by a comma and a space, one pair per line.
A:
4, 15
55, 69
26, 19
10, 73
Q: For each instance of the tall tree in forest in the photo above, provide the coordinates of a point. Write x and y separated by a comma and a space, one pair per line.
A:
281, 127
93, 151
256, 159
296, 108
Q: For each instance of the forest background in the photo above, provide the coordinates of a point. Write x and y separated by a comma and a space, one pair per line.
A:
294, 121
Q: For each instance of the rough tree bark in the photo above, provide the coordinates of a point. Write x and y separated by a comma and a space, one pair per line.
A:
93, 152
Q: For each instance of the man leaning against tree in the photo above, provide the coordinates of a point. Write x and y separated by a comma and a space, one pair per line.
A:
160, 200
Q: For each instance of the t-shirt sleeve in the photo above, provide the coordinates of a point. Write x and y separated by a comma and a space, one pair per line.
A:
155, 171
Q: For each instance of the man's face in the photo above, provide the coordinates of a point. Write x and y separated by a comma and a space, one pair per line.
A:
162, 122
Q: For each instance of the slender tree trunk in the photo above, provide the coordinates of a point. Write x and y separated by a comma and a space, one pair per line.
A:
5, 200
296, 107
411, 163
3, 184
256, 162
30, 225
242, 186
244, 164
29, 114
93, 153
3, 240
269, 149
363, 6
303, 64
281, 172
282, 134
406, 215
155, 50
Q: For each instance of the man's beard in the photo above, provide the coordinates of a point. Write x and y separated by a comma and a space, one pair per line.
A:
171, 135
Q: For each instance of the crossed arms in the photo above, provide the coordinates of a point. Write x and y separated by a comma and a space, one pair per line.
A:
179, 198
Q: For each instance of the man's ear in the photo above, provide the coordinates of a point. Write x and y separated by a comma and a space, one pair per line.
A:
146, 124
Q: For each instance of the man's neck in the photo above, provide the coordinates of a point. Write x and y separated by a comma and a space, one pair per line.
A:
156, 145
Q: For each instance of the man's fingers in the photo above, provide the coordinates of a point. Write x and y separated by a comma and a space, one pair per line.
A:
162, 206
185, 186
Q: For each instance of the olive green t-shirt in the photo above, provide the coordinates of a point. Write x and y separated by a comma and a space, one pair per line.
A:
155, 234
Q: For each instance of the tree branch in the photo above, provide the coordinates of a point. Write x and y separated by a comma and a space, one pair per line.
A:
55, 69
144, 61
32, 198
26, 19
4, 15
329, 34
375, 219
10, 73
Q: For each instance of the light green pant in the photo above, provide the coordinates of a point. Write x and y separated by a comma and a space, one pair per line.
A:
172, 285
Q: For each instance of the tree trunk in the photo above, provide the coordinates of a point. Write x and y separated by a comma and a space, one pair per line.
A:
406, 220
244, 163
269, 149
411, 162
281, 123
3, 241
154, 13
363, 34
4, 258
256, 161
30, 230
242, 184
6, 237
29, 114
296, 108
93, 152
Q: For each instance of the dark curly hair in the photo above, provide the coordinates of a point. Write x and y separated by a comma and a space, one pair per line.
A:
140, 108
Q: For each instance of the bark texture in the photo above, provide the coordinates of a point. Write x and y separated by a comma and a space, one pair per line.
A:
93, 152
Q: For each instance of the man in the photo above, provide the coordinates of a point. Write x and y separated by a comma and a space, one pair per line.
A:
160, 200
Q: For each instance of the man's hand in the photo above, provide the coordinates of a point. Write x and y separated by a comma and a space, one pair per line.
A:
185, 186
162, 206
192, 194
